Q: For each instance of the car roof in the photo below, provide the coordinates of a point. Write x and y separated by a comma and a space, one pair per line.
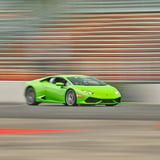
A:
70, 75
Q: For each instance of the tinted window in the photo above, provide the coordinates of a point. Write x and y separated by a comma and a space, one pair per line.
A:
58, 79
86, 81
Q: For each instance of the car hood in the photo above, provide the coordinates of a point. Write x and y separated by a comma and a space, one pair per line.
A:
106, 91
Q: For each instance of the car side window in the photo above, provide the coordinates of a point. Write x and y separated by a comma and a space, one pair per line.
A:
51, 80
58, 79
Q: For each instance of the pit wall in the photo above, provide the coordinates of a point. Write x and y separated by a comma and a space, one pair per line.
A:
13, 92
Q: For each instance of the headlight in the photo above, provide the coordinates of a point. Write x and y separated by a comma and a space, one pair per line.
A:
88, 92
117, 92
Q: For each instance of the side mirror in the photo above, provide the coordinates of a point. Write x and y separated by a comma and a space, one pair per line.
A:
60, 84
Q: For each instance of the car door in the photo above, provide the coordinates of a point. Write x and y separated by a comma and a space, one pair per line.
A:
56, 93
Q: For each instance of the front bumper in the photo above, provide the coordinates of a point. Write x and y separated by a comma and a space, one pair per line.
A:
92, 100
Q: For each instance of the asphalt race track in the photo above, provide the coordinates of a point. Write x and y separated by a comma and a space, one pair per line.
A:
124, 132
52, 111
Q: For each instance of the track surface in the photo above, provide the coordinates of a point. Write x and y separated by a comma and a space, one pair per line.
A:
125, 132
52, 111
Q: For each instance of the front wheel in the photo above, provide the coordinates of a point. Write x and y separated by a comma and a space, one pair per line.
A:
31, 96
110, 105
70, 98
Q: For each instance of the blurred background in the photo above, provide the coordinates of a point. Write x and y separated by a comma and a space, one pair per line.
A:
116, 41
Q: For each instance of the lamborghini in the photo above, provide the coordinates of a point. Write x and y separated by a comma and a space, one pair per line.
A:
71, 90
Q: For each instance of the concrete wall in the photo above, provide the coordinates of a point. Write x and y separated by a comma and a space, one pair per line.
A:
145, 93
13, 92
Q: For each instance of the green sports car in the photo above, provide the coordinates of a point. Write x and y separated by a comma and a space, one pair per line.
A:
71, 90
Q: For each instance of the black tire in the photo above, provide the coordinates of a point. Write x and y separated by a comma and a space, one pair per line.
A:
31, 96
110, 105
70, 98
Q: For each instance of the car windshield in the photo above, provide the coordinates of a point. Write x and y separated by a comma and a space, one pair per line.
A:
86, 81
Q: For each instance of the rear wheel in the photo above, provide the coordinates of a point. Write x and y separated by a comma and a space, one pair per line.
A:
31, 96
70, 98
